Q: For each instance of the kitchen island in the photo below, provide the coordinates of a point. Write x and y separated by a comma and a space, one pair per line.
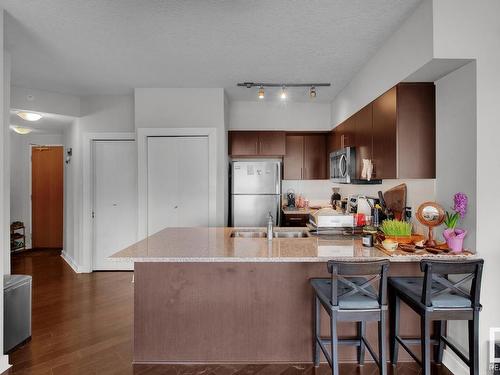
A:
218, 295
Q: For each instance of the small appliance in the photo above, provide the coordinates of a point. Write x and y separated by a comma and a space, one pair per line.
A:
343, 168
290, 196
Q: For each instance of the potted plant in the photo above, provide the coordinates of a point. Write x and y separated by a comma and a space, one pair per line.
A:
455, 236
399, 231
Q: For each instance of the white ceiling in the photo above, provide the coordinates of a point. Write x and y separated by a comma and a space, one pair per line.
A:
49, 124
86, 47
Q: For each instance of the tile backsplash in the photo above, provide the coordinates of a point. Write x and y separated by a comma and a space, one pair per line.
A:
319, 191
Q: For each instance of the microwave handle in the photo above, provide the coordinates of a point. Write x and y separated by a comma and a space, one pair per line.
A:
343, 165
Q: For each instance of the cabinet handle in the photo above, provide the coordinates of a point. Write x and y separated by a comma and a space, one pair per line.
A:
301, 174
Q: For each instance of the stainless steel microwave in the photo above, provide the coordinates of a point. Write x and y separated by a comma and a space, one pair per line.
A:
343, 165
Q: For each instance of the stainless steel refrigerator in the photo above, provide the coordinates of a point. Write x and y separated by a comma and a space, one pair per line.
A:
255, 191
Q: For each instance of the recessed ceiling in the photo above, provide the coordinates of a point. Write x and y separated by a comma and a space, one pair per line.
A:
109, 47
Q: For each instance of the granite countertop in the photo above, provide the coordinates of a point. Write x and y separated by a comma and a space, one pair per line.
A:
216, 245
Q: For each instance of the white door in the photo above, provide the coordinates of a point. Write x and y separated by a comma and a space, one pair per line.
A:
177, 182
115, 201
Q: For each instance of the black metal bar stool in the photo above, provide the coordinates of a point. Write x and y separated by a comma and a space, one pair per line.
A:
449, 290
353, 298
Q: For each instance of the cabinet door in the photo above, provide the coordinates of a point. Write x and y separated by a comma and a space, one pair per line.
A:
384, 135
272, 143
243, 143
314, 157
294, 158
331, 142
416, 135
346, 133
363, 137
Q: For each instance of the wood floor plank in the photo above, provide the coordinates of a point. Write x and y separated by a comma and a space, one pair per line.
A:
82, 325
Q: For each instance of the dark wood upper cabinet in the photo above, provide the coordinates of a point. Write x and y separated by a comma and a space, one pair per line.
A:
293, 161
416, 130
257, 143
243, 143
314, 157
384, 135
272, 143
397, 131
305, 157
363, 135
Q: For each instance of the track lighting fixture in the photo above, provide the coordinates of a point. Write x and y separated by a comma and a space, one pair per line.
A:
283, 95
284, 87
312, 92
261, 92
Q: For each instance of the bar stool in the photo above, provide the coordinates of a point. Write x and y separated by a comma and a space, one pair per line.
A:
438, 297
353, 298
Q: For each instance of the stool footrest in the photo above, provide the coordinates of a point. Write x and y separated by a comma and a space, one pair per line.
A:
351, 341
457, 351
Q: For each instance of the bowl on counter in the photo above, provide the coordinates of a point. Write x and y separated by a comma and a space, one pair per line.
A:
390, 244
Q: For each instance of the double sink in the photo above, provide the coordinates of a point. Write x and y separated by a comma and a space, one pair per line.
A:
276, 234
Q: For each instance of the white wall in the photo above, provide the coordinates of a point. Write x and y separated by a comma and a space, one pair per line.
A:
188, 108
246, 115
456, 138
471, 29
20, 175
45, 101
4, 178
407, 50
100, 113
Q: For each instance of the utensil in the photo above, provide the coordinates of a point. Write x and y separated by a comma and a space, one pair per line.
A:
395, 200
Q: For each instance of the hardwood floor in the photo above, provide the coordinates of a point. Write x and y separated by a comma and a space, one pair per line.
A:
82, 324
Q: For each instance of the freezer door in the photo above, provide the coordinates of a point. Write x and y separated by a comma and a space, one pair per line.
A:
256, 177
253, 210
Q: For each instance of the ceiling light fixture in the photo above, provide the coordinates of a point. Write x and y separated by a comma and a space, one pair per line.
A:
312, 92
283, 95
261, 92
21, 130
29, 116
284, 86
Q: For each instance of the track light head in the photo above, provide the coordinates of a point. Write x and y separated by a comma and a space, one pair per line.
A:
312, 92
261, 92
284, 94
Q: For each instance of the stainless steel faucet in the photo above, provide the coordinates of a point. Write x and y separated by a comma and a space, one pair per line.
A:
270, 227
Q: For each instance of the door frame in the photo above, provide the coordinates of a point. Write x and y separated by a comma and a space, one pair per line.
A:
30, 189
142, 153
85, 264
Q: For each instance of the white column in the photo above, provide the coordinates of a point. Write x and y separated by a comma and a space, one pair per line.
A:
4, 179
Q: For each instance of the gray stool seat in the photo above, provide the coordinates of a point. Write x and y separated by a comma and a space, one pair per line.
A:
413, 287
323, 288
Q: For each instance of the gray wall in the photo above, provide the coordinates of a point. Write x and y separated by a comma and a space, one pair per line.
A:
456, 140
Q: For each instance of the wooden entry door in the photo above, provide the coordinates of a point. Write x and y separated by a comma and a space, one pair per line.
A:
47, 195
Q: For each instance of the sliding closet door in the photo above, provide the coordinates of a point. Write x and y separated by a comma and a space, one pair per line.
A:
177, 182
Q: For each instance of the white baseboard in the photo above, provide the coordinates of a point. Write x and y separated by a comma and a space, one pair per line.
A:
4, 364
454, 364
69, 260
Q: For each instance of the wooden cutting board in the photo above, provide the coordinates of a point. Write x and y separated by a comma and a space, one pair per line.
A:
395, 200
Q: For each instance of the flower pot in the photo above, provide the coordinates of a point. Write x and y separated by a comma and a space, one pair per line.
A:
455, 239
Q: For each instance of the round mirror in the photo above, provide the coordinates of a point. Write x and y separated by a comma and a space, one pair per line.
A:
431, 215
